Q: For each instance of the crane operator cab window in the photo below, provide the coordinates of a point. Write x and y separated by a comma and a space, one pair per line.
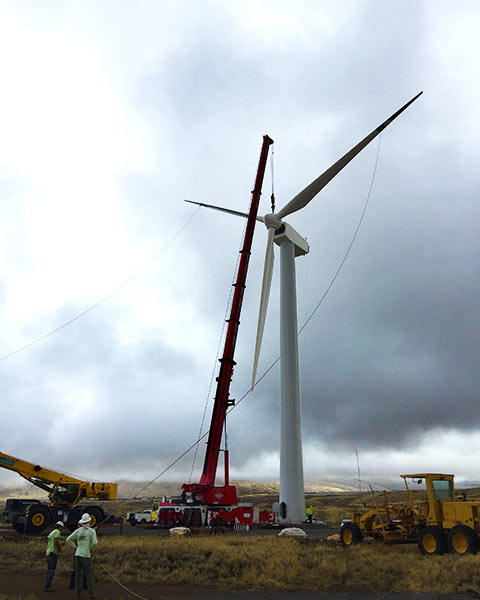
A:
67, 493
442, 489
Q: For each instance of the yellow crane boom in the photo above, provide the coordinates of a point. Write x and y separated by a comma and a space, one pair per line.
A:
62, 489
64, 492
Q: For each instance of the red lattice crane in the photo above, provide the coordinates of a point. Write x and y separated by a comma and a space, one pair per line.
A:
205, 491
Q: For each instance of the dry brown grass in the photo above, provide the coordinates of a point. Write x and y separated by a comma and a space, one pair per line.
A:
266, 562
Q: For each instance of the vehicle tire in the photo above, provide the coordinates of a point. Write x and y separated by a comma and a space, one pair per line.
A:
19, 527
462, 540
143, 522
350, 534
39, 518
431, 540
96, 514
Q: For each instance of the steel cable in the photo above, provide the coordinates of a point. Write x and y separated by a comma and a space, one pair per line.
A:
104, 299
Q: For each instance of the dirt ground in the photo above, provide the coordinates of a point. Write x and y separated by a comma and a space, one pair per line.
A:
28, 585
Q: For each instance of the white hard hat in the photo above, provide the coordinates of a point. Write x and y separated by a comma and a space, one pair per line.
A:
86, 518
59, 524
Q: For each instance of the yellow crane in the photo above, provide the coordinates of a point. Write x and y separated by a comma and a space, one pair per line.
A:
64, 493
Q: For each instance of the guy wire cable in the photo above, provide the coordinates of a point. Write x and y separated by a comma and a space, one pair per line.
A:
69, 570
120, 287
214, 370
119, 582
351, 243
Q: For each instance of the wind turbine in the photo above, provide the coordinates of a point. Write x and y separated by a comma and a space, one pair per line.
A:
292, 244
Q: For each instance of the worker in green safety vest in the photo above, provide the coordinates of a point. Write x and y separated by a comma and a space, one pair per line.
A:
309, 514
53, 549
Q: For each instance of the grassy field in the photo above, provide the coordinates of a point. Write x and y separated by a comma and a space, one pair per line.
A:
264, 562
260, 563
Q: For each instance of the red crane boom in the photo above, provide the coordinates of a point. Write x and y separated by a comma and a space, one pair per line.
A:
205, 491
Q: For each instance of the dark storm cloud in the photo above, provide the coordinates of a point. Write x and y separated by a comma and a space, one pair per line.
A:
398, 346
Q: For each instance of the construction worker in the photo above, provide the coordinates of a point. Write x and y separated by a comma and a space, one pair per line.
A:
53, 549
309, 514
216, 525
83, 539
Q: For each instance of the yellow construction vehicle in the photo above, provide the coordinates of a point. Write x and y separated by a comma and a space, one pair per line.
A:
64, 493
443, 522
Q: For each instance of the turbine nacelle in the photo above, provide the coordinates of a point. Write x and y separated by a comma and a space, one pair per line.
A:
286, 233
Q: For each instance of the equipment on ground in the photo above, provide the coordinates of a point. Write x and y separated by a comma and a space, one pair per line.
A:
441, 522
64, 493
142, 518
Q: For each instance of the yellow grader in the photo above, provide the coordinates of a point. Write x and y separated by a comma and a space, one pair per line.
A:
443, 522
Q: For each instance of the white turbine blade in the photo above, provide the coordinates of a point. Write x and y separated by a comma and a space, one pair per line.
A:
226, 210
304, 197
264, 296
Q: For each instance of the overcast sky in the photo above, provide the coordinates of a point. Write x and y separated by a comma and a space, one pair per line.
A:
112, 113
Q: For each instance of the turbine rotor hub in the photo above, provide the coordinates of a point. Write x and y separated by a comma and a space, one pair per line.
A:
271, 220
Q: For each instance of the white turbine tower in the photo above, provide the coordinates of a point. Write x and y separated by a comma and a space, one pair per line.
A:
292, 244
